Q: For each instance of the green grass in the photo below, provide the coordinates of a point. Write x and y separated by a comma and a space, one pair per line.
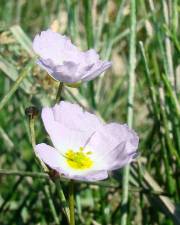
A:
141, 38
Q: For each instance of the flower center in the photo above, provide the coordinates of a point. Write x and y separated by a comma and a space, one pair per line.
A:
78, 160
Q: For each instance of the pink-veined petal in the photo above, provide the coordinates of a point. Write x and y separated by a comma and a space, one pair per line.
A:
114, 144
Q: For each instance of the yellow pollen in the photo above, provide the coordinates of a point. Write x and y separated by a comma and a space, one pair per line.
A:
78, 160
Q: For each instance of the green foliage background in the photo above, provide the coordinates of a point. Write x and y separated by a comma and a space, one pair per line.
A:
153, 50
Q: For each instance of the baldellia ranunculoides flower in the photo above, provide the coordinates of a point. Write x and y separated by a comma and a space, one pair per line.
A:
84, 147
64, 61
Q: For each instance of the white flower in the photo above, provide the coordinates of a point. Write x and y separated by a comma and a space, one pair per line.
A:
64, 61
84, 147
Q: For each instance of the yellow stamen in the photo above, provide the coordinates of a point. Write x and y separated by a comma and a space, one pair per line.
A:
78, 160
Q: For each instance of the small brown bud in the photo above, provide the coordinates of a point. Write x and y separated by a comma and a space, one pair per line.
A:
31, 111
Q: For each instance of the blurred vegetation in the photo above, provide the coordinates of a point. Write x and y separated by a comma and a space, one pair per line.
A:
154, 182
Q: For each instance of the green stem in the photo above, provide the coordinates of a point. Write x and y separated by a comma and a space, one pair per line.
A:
168, 46
7, 141
71, 202
72, 9
51, 204
59, 92
24, 173
64, 204
152, 90
15, 86
90, 42
131, 89
32, 131
33, 140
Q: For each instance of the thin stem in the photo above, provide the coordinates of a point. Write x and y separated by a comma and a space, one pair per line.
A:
72, 10
7, 141
116, 27
90, 42
168, 46
32, 131
131, 89
23, 173
16, 84
62, 199
33, 140
51, 204
59, 92
71, 202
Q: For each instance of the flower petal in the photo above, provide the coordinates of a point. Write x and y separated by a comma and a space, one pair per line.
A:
114, 144
50, 45
68, 63
117, 158
49, 155
63, 138
92, 176
96, 70
91, 56
74, 117
47, 65
64, 72
61, 73
123, 132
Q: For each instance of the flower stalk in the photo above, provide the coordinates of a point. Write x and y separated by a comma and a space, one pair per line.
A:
59, 92
71, 202
32, 113
63, 201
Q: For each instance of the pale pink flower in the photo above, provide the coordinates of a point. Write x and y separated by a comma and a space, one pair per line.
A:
84, 147
64, 61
